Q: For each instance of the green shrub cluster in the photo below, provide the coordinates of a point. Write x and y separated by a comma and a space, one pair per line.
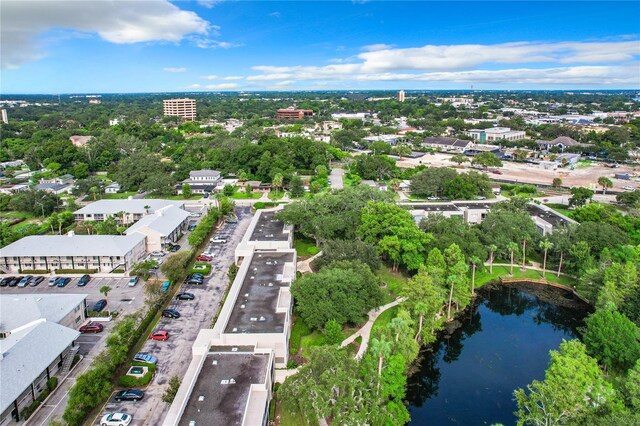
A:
205, 271
135, 382
75, 271
518, 188
33, 271
52, 383
204, 228
262, 205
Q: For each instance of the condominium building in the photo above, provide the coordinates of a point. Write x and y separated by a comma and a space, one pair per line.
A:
184, 108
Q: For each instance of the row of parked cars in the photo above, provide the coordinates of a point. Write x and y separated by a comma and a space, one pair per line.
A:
31, 280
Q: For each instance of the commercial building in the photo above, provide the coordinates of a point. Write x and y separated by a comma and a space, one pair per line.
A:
163, 226
124, 211
453, 145
293, 113
184, 108
560, 143
230, 376
202, 181
496, 134
37, 335
104, 253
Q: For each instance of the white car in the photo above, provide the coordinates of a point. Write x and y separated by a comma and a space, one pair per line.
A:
52, 281
157, 253
629, 188
116, 419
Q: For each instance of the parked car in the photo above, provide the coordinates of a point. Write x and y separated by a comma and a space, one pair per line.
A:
84, 280
25, 281
497, 172
191, 227
15, 281
64, 281
204, 258
145, 357
5, 281
171, 313
231, 220
129, 395
165, 286
52, 281
116, 419
629, 188
133, 281
195, 280
194, 214
35, 281
207, 253
92, 327
205, 195
218, 241
174, 248
157, 253
99, 305
159, 335
185, 296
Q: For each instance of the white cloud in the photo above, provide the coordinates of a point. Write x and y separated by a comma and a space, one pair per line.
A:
210, 77
233, 77
121, 22
170, 69
194, 86
284, 83
222, 86
376, 47
207, 43
275, 14
209, 4
595, 63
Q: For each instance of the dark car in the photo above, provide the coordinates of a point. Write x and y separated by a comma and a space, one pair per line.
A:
191, 227
64, 281
35, 281
84, 280
174, 248
92, 327
185, 296
171, 313
195, 280
99, 305
231, 220
5, 281
15, 281
129, 395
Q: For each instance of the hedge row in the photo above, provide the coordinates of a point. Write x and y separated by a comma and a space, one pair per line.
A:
76, 271
204, 228
52, 383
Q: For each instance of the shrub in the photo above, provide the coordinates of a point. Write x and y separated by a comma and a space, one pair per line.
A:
33, 271
169, 395
151, 367
204, 228
75, 271
292, 364
133, 382
118, 271
204, 271
52, 383
263, 205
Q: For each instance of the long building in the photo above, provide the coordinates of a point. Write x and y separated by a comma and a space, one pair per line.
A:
37, 340
184, 108
230, 376
292, 113
124, 211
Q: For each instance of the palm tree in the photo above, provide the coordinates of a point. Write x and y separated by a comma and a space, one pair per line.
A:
475, 260
421, 309
277, 182
381, 348
605, 183
397, 325
105, 289
512, 248
146, 209
452, 280
524, 253
492, 250
545, 245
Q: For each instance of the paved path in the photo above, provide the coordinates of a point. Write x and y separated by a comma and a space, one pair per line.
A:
535, 267
336, 178
365, 331
305, 265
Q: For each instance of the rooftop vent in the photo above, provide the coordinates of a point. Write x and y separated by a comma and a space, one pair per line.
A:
192, 423
262, 319
241, 306
254, 318
234, 329
234, 349
201, 398
215, 362
224, 382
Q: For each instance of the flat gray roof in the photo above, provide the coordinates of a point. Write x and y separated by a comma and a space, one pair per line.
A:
269, 229
132, 206
75, 245
549, 216
215, 400
254, 310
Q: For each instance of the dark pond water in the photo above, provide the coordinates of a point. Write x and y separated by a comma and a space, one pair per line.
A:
468, 377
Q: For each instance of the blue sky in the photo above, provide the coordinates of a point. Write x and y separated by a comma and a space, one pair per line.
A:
157, 45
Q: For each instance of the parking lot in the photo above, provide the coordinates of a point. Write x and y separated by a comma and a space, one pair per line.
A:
174, 354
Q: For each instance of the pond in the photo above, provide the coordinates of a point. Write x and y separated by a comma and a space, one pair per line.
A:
467, 377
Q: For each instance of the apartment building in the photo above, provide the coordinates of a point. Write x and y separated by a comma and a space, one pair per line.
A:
184, 108
202, 181
124, 211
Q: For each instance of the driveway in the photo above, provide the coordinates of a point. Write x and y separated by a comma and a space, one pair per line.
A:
174, 354
336, 178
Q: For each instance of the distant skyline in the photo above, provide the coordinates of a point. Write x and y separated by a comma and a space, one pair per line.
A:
208, 45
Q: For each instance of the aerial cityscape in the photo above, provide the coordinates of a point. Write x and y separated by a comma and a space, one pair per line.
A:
319, 213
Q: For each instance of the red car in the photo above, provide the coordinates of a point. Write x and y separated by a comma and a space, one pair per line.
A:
204, 258
159, 335
92, 327
498, 172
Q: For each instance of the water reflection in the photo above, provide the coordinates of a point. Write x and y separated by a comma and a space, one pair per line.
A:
467, 376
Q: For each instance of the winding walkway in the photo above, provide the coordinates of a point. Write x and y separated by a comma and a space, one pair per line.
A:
365, 331
305, 265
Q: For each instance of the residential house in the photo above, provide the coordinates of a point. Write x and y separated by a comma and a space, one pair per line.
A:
560, 143
202, 181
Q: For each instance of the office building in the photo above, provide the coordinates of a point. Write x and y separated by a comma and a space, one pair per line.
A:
496, 134
184, 108
293, 113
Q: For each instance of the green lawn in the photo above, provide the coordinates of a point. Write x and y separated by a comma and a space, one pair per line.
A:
15, 215
583, 164
560, 208
273, 196
314, 339
116, 196
244, 196
305, 247
298, 331
205, 271
291, 419
383, 320
483, 276
395, 282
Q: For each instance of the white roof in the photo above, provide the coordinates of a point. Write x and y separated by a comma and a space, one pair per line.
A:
73, 245
204, 173
36, 340
164, 220
135, 205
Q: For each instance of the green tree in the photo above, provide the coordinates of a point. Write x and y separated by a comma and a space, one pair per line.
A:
557, 182
475, 261
380, 348
545, 245
487, 159
605, 183
333, 332
228, 190
456, 278
424, 299
573, 385
186, 191
459, 159
343, 291
278, 180
105, 289
512, 247
632, 387
579, 196
492, 250
296, 189
175, 267
335, 250
613, 339
170, 393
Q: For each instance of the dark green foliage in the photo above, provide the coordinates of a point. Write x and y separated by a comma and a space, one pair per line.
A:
342, 291
135, 382
579, 196
333, 332
175, 267
487, 159
38, 203
628, 198
612, 339
296, 187
447, 231
375, 167
232, 272
204, 228
432, 181
334, 250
